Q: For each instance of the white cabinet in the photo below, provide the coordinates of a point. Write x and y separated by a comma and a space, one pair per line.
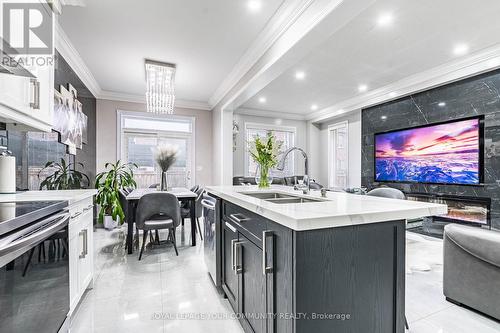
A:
28, 102
81, 259
15, 92
25, 101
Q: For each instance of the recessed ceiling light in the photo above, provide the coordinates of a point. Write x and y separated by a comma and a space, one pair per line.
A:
262, 99
460, 49
362, 87
392, 94
441, 104
385, 20
254, 5
300, 75
383, 117
314, 107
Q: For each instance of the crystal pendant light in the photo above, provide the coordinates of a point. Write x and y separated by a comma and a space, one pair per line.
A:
160, 93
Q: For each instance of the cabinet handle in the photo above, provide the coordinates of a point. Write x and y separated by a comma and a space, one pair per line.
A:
237, 267
76, 215
86, 247
36, 94
235, 217
82, 234
88, 208
230, 226
232, 254
265, 268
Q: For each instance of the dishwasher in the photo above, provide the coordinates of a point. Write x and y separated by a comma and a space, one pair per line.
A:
211, 237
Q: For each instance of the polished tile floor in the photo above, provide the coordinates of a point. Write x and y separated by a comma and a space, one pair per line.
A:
165, 293
137, 296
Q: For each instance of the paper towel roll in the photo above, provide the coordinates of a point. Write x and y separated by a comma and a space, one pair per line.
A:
7, 174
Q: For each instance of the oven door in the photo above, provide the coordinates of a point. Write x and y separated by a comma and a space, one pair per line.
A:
34, 277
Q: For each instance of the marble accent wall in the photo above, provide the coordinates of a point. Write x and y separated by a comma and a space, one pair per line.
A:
478, 95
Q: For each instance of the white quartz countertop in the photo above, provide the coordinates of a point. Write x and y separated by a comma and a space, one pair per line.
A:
71, 196
338, 208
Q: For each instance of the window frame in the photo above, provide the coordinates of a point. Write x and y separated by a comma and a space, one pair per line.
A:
121, 114
268, 127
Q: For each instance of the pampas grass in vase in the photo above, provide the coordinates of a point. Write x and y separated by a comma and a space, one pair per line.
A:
165, 156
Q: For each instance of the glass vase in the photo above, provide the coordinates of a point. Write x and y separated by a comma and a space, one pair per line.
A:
262, 177
163, 184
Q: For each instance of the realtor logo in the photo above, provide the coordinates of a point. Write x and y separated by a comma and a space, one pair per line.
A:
27, 28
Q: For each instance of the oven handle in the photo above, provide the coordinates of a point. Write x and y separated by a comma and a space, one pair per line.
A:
53, 223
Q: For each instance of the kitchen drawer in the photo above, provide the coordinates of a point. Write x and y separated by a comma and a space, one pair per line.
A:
250, 224
77, 210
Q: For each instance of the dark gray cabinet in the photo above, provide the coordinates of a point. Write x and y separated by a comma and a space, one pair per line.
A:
343, 279
248, 274
253, 293
229, 274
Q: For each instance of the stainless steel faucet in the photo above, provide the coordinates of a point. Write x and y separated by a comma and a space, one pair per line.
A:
306, 186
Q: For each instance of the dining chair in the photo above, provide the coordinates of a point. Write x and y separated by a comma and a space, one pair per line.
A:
157, 211
387, 192
185, 204
186, 211
122, 197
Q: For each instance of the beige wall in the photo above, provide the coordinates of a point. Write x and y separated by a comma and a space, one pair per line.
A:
107, 136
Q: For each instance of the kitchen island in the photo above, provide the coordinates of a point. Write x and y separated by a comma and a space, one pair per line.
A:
303, 263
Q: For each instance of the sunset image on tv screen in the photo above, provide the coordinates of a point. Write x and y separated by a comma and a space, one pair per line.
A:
445, 153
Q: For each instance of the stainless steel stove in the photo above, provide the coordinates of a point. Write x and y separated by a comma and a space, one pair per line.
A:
34, 266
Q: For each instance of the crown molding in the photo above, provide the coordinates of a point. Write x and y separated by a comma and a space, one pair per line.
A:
122, 97
286, 15
477, 63
270, 114
133, 98
73, 58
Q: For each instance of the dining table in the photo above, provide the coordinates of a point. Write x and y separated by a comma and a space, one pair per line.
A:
182, 194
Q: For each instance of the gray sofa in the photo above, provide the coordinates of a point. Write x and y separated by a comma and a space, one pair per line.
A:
472, 268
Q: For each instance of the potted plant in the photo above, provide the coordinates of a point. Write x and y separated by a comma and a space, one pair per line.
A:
64, 177
108, 184
165, 156
265, 151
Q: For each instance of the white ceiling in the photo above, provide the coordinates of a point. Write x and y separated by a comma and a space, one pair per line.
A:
204, 38
421, 37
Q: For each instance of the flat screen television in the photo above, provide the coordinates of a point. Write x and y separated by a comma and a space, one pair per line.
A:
442, 153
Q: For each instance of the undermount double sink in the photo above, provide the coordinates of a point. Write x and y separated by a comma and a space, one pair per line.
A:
280, 198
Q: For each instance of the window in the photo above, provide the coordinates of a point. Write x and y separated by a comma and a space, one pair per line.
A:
283, 134
141, 133
338, 155
32, 151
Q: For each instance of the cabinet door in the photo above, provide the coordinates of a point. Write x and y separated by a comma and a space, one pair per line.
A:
229, 274
74, 294
253, 294
43, 95
85, 261
15, 92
